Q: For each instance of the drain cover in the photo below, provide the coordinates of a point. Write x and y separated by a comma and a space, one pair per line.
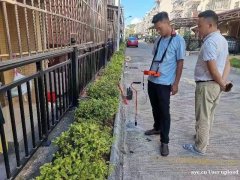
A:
133, 67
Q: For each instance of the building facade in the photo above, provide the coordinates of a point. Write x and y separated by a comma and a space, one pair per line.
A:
139, 28
217, 5
178, 9
191, 8
235, 4
112, 2
164, 5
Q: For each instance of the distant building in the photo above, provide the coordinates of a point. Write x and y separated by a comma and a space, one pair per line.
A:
191, 8
112, 2
235, 4
178, 9
147, 20
165, 5
139, 28
216, 5
185, 9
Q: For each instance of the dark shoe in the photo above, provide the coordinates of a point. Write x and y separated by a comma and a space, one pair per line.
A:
164, 149
152, 132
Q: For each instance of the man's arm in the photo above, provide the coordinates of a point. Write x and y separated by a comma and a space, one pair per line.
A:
226, 71
212, 67
180, 60
178, 76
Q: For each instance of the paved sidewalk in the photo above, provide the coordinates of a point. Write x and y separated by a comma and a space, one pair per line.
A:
142, 160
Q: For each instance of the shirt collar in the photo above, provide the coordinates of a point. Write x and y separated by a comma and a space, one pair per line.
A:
209, 35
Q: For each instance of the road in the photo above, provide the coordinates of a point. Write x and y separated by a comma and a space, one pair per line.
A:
142, 160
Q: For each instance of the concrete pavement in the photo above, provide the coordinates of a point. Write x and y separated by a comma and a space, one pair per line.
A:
142, 158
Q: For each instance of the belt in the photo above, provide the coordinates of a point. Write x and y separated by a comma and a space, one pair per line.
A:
204, 81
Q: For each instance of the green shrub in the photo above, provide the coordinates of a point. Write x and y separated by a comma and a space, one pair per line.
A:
107, 85
74, 167
84, 148
114, 69
101, 110
89, 139
103, 89
81, 153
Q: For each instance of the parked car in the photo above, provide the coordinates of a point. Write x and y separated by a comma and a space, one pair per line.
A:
132, 41
233, 44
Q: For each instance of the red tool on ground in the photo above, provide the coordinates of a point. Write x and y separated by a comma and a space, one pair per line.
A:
136, 101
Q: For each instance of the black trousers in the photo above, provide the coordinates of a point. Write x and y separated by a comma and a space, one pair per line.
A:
159, 96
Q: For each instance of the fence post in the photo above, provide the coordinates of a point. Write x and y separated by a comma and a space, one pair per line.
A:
105, 53
3, 143
42, 103
103, 56
75, 80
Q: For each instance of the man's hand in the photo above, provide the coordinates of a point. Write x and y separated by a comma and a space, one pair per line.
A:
223, 88
174, 89
227, 87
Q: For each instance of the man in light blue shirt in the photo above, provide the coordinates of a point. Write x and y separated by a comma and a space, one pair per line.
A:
175, 52
169, 51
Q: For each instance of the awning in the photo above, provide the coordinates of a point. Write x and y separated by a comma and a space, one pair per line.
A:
190, 22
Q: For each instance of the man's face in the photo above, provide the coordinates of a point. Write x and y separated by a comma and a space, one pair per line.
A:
204, 27
162, 27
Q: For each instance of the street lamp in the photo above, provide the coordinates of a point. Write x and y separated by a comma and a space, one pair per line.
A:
127, 17
124, 26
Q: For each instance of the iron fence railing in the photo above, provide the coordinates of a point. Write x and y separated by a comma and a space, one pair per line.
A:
43, 98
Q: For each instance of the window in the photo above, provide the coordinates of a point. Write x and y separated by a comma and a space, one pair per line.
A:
236, 5
218, 4
132, 38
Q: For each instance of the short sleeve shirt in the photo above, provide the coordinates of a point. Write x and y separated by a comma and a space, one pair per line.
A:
214, 48
175, 52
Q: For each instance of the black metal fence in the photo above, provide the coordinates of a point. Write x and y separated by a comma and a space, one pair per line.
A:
48, 95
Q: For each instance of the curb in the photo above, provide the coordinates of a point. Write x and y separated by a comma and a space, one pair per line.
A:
116, 157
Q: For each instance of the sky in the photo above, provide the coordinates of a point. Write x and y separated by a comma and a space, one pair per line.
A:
137, 9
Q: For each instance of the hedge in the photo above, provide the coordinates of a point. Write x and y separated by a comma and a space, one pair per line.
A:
84, 149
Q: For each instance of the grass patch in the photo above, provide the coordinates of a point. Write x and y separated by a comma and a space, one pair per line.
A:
235, 62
